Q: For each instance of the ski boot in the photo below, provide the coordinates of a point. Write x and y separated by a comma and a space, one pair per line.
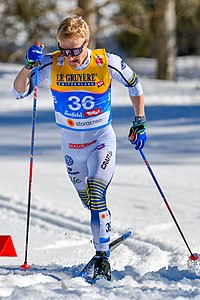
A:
101, 266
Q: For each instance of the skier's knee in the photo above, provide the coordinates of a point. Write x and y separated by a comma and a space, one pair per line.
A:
84, 198
96, 191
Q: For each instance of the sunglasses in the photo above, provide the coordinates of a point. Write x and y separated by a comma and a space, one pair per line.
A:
73, 51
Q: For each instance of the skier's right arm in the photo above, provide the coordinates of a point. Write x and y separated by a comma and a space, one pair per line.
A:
23, 84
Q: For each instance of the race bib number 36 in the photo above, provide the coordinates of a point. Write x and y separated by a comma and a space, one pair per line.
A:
77, 104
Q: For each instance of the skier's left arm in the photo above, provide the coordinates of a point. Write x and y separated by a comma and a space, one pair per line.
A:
120, 71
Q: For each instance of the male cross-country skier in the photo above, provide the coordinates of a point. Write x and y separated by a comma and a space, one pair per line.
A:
80, 82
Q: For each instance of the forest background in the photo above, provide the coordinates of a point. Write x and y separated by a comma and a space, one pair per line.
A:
159, 29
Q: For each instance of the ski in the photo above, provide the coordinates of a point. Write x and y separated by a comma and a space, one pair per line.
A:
113, 245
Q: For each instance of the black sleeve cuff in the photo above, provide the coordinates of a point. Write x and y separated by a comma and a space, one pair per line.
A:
140, 119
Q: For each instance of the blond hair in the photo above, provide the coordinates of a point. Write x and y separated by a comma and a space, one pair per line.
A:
73, 27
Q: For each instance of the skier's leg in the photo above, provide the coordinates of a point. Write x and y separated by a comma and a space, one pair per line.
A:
76, 164
90, 170
101, 165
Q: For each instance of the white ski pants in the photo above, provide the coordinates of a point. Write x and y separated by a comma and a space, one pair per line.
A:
90, 162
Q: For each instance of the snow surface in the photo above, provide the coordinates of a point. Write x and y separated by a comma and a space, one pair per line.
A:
150, 265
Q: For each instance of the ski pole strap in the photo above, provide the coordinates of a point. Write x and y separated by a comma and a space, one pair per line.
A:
140, 119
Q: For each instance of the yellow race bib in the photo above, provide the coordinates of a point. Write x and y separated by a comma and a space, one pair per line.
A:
82, 98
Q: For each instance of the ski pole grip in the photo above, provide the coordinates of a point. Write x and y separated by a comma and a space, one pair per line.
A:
40, 45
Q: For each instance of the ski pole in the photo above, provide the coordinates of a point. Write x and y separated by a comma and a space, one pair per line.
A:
35, 98
192, 256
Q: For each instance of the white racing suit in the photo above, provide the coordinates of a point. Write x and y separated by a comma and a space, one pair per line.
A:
90, 161
82, 102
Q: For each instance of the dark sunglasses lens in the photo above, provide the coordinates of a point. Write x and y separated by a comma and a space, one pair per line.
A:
76, 51
63, 52
73, 52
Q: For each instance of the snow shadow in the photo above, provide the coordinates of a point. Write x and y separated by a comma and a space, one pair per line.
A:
58, 272
173, 134
173, 274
